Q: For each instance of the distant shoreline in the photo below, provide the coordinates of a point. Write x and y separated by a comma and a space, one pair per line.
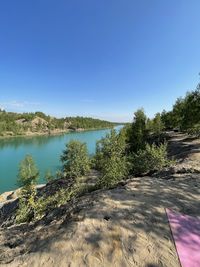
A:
61, 132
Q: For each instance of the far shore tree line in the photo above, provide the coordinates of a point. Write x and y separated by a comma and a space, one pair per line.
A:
13, 124
138, 149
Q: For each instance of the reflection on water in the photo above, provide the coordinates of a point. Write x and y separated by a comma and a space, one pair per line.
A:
15, 142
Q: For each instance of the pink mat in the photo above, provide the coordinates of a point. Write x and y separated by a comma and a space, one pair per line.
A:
186, 234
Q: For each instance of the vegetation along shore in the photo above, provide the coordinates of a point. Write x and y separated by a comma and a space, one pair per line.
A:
37, 123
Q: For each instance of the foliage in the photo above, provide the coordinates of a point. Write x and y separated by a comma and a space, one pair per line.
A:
48, 176
28, 172
138, 132
111, 159
27, 178
24, 212
157, 125
185, 114
191, 113
194, 131
88, 123
178, 112
75, 159
45, 204
167, 120
31, 207
59, 174
150, 159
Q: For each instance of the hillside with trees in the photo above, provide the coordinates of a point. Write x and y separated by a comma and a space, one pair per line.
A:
14, 124
185, 115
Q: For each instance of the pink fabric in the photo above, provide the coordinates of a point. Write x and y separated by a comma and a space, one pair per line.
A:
186, 234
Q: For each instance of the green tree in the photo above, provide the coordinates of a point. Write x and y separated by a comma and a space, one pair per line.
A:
28, 172
191, 112
178, 113
186, 111
167, 119
111, 158
75, 159
27, 179
138, 133
157, 124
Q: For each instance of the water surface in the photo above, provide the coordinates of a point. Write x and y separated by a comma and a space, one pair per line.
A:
46, 151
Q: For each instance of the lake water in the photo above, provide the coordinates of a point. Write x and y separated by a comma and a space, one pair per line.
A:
45, 150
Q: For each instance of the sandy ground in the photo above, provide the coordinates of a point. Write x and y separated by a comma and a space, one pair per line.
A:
125, 226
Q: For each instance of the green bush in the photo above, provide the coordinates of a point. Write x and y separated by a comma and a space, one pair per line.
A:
194, 131
138, 133
75, 159
59, 174
48, 176
152, 158
115, 170
24, 212
76, 163
28, 173
110, 158
27, 200
44, 204
27, 179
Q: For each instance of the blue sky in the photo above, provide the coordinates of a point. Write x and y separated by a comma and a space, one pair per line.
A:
97, 58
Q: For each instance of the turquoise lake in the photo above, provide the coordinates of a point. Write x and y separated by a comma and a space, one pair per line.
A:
45, 150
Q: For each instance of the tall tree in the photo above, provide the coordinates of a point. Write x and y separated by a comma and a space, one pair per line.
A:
167, 119
75, 159
138, 132
191, 112
178, 112
158, 125
111, 159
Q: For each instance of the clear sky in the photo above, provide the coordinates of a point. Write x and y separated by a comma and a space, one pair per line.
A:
100, 58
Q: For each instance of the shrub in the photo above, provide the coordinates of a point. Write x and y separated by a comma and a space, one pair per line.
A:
43, 205
152, 158
59, 174
24, 213
76, 162
48, 176
27, 178
111, 159
138, 132
195, 131
28, 172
